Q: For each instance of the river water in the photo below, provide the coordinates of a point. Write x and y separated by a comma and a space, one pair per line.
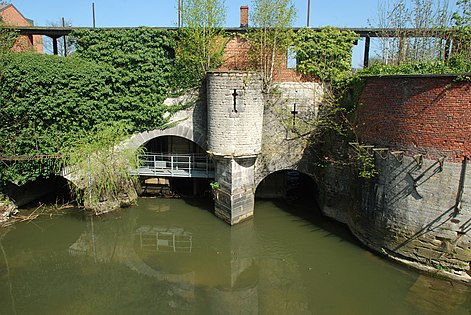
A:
173, 256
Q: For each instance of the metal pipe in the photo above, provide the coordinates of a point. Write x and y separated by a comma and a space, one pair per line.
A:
179, 13
93, 14
308, 12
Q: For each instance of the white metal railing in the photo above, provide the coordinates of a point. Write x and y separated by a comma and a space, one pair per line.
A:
175, 165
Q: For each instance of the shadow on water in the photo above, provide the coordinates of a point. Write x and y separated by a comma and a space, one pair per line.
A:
307, 213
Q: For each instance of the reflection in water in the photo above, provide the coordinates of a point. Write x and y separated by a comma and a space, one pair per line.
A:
162, 239
169, 256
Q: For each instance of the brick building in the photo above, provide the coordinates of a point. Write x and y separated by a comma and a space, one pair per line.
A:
10, 15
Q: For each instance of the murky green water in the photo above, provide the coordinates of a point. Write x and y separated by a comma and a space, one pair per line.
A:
170, 256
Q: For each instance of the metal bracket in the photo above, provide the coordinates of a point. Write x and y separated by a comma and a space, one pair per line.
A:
440, 162
399, 155
380, 152
419, 159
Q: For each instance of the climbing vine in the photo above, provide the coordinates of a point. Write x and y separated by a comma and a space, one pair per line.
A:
8, 37
50, 103
325, 54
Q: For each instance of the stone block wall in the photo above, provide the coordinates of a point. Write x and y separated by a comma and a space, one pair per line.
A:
282, 146
235, 198
235, 120
418, 210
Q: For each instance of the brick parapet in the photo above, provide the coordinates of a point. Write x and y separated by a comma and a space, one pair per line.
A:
429, 115
236, 57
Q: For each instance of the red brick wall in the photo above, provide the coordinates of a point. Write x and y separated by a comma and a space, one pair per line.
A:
236, 58
11, 16
428, 115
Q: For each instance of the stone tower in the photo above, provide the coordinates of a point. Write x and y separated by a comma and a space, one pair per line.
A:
235, 120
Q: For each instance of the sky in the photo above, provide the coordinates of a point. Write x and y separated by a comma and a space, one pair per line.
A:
121, 13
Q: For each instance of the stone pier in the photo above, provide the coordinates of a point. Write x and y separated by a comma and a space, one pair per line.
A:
235, 121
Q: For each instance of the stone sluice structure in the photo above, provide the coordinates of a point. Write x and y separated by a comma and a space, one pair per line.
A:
248, 134
417, 210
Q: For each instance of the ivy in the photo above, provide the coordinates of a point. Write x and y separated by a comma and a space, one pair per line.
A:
326, 54
46, 101
8, 37
143, 57
454, 65
52, 104
49, 103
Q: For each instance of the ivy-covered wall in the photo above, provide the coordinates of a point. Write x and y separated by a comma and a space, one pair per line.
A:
48, 102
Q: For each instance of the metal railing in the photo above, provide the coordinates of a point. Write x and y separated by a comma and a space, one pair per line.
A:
175, 165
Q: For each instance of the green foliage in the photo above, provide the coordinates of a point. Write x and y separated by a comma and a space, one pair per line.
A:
51, 103
366, 165
201, 41
47, 101
326, 54
270, 35
462, 29
214, 185
7, 38
102, 167
143, 57
454, 65
365, 161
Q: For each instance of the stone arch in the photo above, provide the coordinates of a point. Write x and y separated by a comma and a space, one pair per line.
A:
182, 131
58, 185
290, 184
265, 168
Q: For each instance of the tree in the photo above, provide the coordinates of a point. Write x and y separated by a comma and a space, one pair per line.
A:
462, 29
270, 35
419, 14
202, 43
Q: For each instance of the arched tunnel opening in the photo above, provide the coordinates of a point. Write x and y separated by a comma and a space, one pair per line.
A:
52, 190
175, 166
297, 192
